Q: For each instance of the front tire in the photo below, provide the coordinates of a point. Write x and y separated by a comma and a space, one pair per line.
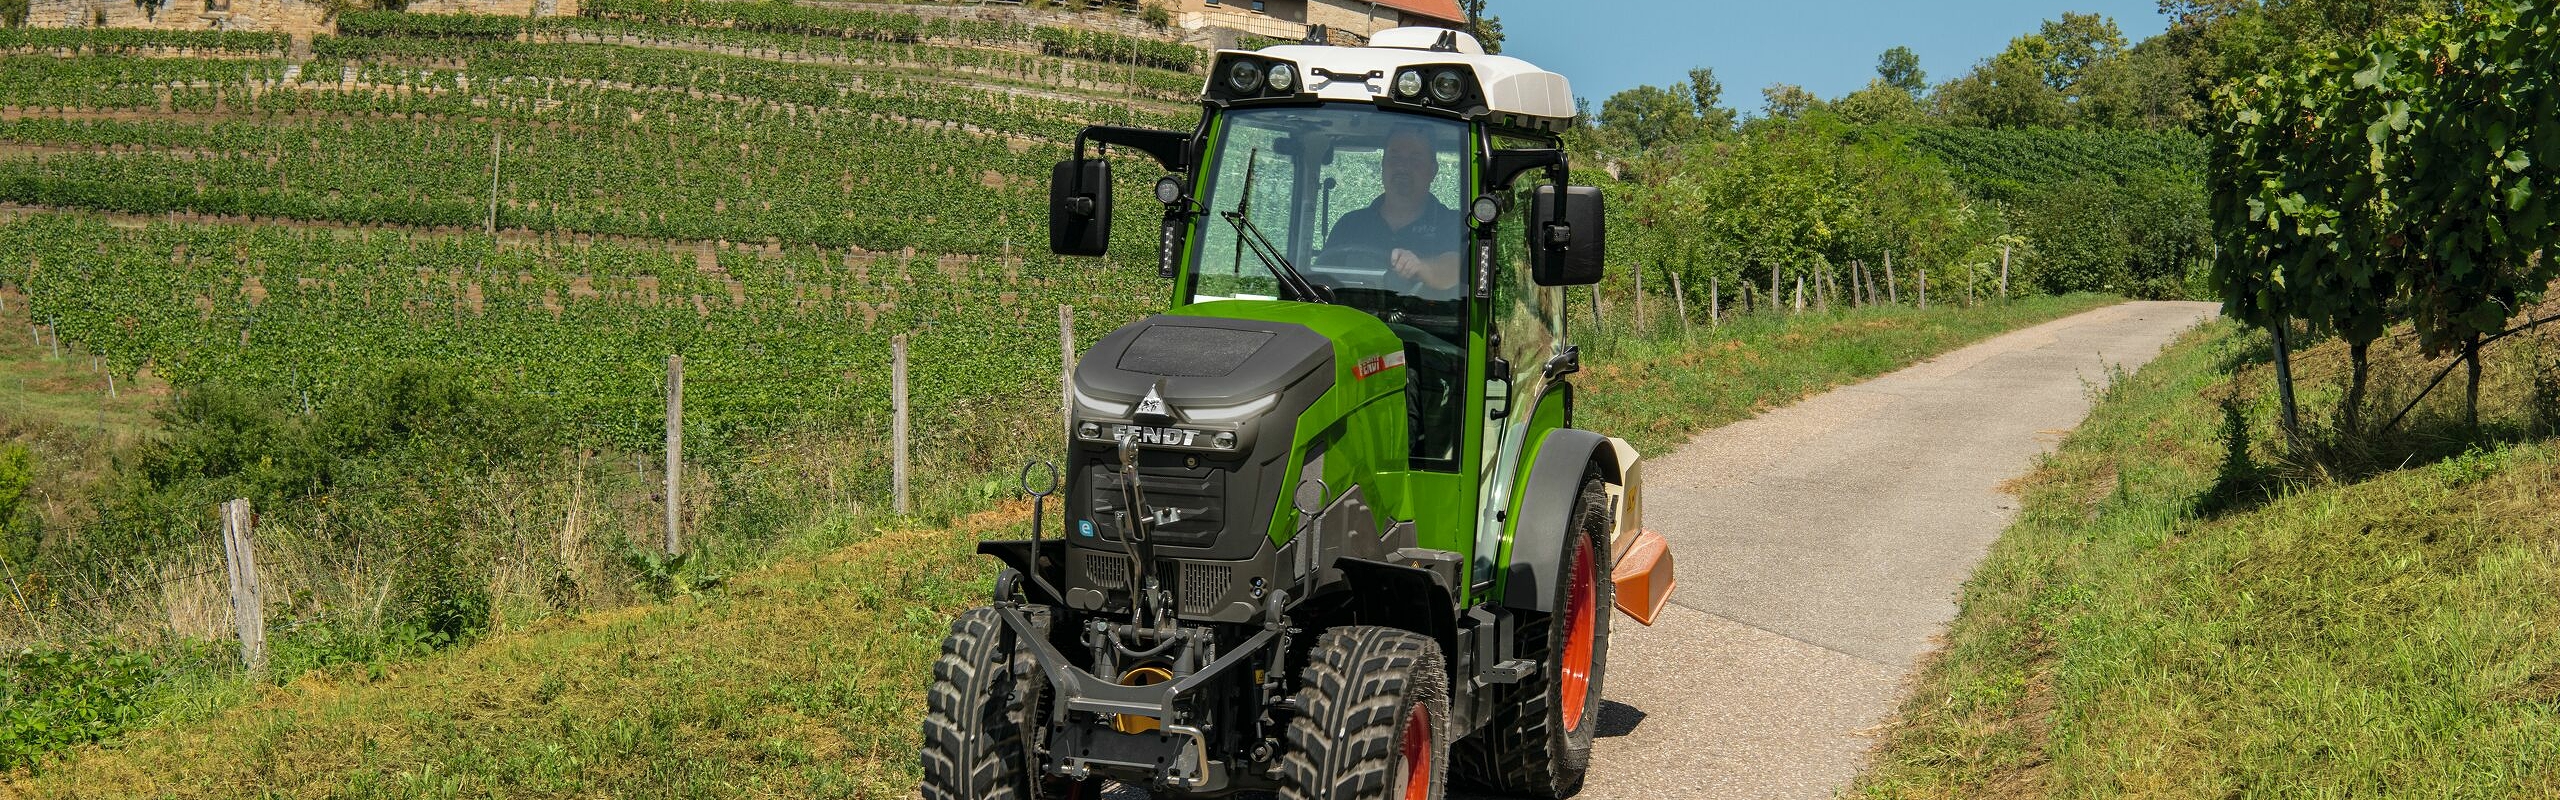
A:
1539, 740
976, 714
1373, 721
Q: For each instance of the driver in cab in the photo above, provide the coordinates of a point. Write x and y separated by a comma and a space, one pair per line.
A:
1419, 236
1421, 239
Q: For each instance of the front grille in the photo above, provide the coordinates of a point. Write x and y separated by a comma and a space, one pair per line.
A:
1203, 585
1108, 572
1197, 496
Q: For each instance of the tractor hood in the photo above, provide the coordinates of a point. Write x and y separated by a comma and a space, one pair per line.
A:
1218, 396
1223, 364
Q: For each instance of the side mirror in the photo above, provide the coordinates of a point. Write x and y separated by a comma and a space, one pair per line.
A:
1567, 251
1080, 207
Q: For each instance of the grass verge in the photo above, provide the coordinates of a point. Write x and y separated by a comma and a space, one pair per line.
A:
806, 678
2168, 620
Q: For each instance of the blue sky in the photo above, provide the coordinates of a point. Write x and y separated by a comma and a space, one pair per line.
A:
1828, 46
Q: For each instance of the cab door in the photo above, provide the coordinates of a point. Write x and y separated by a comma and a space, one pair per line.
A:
1526, 331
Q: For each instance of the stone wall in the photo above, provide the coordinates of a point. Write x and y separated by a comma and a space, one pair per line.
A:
299, 18
296, 17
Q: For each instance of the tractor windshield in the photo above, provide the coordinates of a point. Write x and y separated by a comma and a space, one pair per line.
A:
1363, 202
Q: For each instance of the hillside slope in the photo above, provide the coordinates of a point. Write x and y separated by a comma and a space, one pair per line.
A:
2179, 613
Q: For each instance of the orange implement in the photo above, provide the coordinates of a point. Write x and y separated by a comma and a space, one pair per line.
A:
1643, 576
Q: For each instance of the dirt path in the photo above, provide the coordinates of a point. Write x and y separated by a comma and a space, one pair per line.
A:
1822, 545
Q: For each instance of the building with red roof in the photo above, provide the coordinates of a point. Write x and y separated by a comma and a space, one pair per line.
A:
1290, 19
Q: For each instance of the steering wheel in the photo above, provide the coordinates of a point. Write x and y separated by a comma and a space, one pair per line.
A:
1359, 256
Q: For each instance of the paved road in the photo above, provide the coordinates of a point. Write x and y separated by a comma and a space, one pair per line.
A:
1821, 546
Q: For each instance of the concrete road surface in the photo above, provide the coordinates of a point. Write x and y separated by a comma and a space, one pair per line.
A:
1819, 548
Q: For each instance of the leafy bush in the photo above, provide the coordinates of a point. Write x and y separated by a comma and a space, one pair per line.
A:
54, 698
2140, 236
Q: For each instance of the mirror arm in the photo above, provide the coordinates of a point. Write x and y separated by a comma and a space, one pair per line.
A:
1507, 165
1565, 362
1558, 175
1170, 148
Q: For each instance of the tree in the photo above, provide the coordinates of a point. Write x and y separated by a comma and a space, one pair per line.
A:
1648, 116
1900, 68
1706, 94
1880, 103
2008, 90
2075, 43
1787, 101
1487, 28
2148, 87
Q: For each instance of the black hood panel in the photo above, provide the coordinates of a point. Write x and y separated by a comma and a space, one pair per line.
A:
1201, 358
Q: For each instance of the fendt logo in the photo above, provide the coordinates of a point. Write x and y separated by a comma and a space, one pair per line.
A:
1170, 437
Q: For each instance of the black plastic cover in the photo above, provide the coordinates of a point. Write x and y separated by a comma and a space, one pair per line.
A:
1578, 262
1076, 230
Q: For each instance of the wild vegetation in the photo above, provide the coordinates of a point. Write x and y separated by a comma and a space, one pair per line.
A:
1824, 190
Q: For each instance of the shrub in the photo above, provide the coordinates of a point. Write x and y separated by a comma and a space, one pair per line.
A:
54, 698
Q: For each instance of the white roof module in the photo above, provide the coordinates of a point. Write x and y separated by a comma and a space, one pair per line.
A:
1535, 97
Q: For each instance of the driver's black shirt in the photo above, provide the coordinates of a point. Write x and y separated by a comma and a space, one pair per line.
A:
1432, 396
1435, 233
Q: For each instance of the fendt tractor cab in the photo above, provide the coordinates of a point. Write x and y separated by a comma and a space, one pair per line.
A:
1329, 528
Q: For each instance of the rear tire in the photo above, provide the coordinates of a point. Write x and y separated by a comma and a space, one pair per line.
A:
1539, 740
1373, 721
976, 714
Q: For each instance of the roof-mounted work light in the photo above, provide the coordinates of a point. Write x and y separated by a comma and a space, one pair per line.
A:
1441, 87
1241, 77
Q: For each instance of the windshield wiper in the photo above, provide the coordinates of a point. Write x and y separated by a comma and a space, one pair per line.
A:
1250, 236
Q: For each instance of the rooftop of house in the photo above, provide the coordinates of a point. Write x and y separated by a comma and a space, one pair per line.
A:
1446, 10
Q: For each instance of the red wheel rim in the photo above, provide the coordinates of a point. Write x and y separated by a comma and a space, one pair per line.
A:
1580, 627
1414, 742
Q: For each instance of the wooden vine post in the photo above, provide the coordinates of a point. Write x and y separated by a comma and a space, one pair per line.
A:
898, 423
1892, 292
1680, 303
248, 606
675, 454
2004, 272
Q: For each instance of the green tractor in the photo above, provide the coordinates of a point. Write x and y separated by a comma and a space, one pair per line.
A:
1329, 529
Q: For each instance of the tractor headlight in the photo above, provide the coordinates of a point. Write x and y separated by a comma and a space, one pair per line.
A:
1245, 77
1282, 77
1087, 430
1098, 407
1229, 414
1409, 84
1169, 189
1447, 86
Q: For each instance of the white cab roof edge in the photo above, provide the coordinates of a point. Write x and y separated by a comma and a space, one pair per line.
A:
1511, 86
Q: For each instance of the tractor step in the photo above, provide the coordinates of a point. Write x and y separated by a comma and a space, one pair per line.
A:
1510, 671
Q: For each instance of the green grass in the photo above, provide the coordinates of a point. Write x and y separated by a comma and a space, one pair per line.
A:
2168, 618
803, 679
